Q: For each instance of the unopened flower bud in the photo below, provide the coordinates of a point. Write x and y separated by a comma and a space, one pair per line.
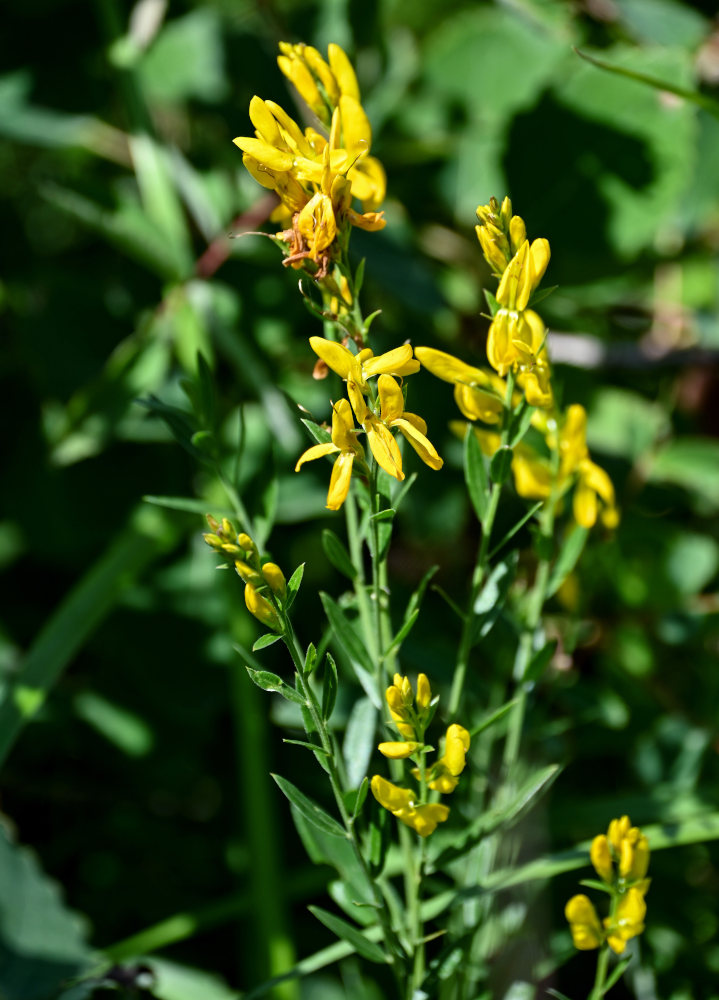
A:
261, 608
275, 578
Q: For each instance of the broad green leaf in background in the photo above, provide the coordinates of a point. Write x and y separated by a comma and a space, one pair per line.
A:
42, 943
693, 464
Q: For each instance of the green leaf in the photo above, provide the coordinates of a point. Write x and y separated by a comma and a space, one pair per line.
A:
475, 475
593, 883
180, 982
572, 548
360, 798
268, 639
64, 634
500, 465
517, 527
329, 688
493, 595
616, 973
403, 633
272, 682
693, 464
311, 659
489, 720
293, 585
452, 845
190, 505
314, 747
694, 96
416, 598
320, 434
359, 739
383, 515
540, 660
555, 993
309, 809
121, 727
520, 425
345, 633
491, 301
42, 943
338, 554
186, 60
344, 930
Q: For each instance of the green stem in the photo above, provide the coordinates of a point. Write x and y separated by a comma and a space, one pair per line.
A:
313, 708
480, 568
602, 967
355, 548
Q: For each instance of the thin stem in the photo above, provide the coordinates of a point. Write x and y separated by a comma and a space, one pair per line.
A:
313, 708
602, 966
480, 568
355, 549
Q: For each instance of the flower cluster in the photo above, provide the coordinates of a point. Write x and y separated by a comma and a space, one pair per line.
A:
265, 584
411, 716
516, 338
379, 410
516, 350
621, 859
316, 176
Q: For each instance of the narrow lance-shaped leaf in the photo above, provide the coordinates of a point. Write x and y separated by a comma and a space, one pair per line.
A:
344, 930
309, 809
338, 554
475, 475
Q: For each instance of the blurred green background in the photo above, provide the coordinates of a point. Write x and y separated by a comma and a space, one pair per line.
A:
142, 785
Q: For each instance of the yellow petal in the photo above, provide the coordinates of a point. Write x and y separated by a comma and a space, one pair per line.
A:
532, 474
477, 404
275, 579
320, 68
456, 747
390, 397
261, 608
449, 368
424, 692
583, 923
292, 133
384, 448
369, 182
269, 156
337, 357
424, 819
340, 480
397, 750
370, 222
513, 277
390, 796
343, 426
584, 506
264, 121
421, 444
316, 451
396, 362
263, 175
601, 858
356, 129
343, 71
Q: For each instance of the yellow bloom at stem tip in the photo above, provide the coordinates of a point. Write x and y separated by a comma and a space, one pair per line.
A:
628, 920
401, 803
344, 443
444, 775
583, 923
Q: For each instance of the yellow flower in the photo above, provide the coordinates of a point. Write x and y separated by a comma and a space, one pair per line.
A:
444, 775
414, 428
401, 803
533, 476
261, 608
344, 442
397, 750
583, 923
424, 693
357, 368
275, 579
628, 920
601, 858
399, 697
593, 483
523, 274
479, 394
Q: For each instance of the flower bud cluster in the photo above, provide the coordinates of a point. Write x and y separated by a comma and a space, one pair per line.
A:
621, 859
411, 715
265, 584
517, 334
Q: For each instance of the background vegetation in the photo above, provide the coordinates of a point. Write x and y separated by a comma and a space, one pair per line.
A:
142, 783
